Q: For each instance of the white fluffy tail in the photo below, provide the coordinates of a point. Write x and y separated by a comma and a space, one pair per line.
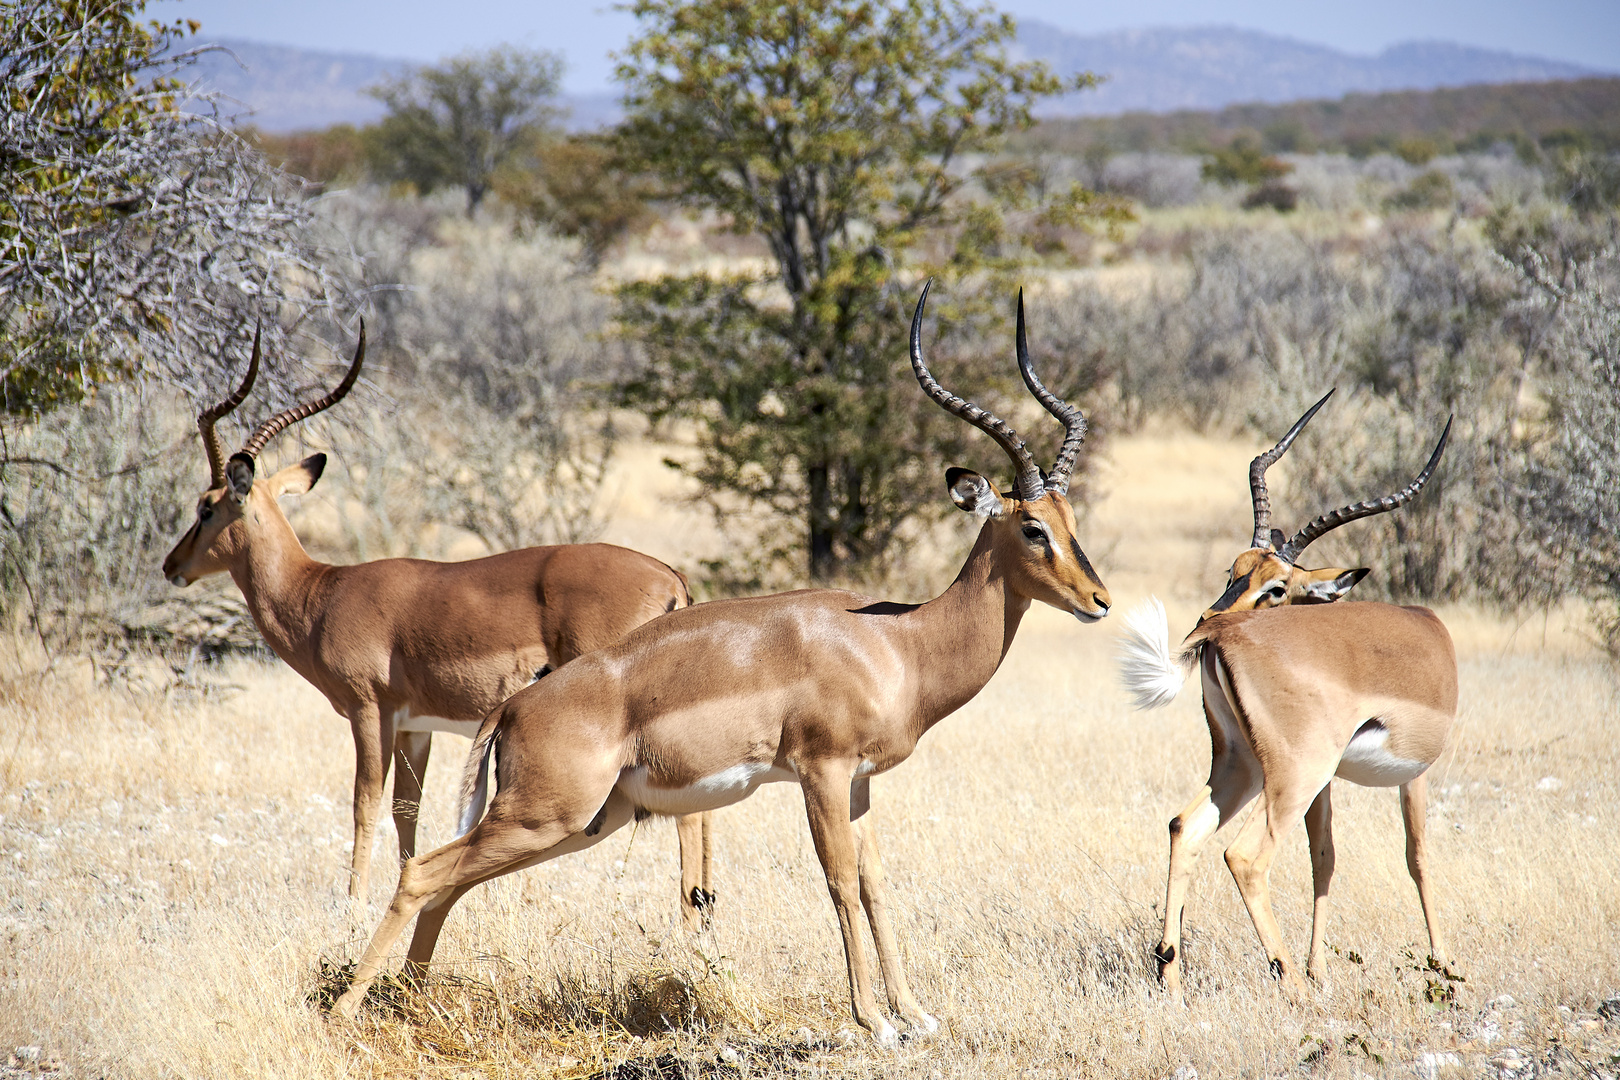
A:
475, 781
1150, 675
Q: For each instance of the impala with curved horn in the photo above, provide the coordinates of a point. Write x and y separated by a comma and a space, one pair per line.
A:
821, 687
407, 647
1295, 697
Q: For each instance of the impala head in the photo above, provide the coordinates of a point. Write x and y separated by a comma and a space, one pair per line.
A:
1265, 575
1033, 526
216, 538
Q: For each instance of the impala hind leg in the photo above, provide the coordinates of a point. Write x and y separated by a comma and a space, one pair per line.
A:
827, 804
1319, 830
614, 815
1414, 811
1249, 858
411, 749
697, 893
1234, 779
875, 896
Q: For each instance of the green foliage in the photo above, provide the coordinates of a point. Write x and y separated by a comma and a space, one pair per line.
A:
82, 71
578, 188
1243, 161
455, 125
835, 130
1467, 118
1432, 190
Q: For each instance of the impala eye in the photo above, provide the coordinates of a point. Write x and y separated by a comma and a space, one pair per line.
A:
1276, 592
204, 513
1034, 534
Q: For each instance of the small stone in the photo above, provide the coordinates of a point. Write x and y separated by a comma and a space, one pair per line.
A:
1504, 1002
1186, 1072
1428, 1066
729, 1055
1549, 783
26, 1055
804, 1037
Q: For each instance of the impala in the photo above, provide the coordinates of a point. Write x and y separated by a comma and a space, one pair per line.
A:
407, 647
823, 688
1295, 697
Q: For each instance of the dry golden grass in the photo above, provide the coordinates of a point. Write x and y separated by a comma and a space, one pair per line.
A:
173, 871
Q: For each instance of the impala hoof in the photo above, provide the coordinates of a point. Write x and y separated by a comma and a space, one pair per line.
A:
886, 1036
922, 1026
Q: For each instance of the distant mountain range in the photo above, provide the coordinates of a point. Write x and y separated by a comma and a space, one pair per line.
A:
282, 88
1210, 67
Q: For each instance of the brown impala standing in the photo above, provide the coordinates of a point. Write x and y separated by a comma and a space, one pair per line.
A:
407, 647
1295, 697
821, 687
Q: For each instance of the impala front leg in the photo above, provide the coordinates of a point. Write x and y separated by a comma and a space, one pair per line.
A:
827, 803
1319, 830
875, 895
373, 747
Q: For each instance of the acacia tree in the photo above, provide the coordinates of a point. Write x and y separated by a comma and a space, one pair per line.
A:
138, 234
455, 125
836, 131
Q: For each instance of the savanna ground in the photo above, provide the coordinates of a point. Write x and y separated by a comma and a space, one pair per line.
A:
173, 865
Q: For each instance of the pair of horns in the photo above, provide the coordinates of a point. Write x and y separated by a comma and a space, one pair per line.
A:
1030, 483
277, 423
1325, 523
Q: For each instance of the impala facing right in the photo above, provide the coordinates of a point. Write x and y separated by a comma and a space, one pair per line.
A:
1295, 697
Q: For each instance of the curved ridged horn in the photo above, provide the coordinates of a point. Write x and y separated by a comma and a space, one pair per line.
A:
1330, 521
1029, 484
1074, 422
273, 426
209, 417
1257, 475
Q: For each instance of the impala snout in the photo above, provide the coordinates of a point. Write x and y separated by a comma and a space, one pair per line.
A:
1098, 610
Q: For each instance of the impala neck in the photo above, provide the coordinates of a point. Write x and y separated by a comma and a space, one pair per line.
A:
277, 577
963, 634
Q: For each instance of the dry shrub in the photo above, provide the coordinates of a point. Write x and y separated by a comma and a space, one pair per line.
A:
491, 352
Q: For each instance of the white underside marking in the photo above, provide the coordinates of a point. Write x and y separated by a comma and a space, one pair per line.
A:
1365, 761
404, 722
710, 793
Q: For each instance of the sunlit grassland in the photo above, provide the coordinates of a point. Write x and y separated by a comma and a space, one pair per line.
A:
172, 869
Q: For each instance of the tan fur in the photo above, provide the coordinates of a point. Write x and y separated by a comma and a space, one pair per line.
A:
448, 640
1285, 692
818, 684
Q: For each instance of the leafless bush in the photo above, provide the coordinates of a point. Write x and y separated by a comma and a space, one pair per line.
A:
93, 498
1568, 483
1412, 326
138, 234
492, 350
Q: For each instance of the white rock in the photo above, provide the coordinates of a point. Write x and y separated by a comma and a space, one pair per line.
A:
1549, 783
1428, 1066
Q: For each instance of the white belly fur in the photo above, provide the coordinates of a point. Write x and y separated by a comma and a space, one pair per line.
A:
404, 722
710, 793
1366, 761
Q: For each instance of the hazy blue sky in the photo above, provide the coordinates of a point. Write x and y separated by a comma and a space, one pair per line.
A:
1579, 31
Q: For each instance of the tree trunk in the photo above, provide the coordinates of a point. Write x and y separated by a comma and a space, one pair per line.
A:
822, 561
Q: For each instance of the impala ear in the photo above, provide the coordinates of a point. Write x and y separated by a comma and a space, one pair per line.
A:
973, 493
238, 477
1326, 586
299, 478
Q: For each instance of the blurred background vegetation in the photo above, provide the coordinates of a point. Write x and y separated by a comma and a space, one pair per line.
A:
734, 264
